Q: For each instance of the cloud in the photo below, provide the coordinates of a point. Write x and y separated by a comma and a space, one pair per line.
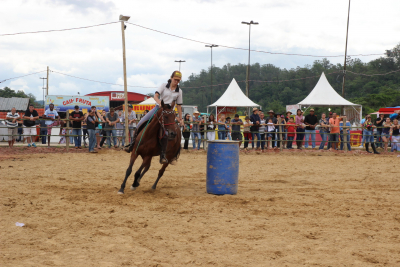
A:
86, 6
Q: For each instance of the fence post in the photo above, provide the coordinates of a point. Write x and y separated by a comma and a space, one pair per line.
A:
280, 134
344, 134
67, 132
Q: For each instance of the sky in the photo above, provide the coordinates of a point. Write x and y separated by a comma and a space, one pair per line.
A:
306, 27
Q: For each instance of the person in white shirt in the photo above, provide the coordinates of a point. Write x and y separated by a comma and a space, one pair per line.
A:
11, 122
131, 120
53, 119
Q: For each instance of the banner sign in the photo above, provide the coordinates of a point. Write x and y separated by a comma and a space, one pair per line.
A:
292, 108
139, 109
63, 103
227, 111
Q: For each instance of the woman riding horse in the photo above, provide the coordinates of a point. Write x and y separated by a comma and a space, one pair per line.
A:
167, 92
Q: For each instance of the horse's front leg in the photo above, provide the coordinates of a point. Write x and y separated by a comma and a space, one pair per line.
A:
139, 174
160, 173
128, 172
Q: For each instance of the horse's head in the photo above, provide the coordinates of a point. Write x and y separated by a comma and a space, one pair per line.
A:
168, 119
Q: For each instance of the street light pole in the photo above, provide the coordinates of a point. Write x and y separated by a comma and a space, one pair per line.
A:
248, 64
43, 88
123, 19
345, 55
180, 61
211, 46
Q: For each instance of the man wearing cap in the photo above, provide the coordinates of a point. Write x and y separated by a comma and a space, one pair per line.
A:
196, 120
168, 92
51, 115
236, 134
311, 121
77, 117
255, 119
131, 120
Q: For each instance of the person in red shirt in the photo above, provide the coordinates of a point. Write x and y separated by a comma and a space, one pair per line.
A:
291, 131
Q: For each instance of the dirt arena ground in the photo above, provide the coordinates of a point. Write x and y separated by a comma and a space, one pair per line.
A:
292, 209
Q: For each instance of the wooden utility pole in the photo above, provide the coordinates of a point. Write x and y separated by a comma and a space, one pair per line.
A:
125, 83
47, 82
280, 134
67, 132
345, 56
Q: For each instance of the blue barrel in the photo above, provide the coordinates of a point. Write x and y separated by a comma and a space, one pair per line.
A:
222, 167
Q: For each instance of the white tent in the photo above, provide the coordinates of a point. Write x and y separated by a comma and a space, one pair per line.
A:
148, 101
233, 97
323, 95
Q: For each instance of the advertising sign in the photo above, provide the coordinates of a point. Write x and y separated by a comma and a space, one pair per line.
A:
139, 109
63, 103
227, 111
292, 108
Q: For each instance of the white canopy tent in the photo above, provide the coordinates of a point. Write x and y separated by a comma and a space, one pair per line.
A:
148, 101
233, 97
323, 95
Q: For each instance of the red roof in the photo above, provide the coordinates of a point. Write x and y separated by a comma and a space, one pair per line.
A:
119, 96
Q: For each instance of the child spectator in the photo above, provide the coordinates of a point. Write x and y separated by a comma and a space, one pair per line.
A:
271, 132
228, 128
291, 131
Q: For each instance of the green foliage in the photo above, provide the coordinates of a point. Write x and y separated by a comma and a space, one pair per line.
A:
278, 88
8, 93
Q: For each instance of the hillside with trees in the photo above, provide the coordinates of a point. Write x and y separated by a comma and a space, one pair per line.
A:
271, 91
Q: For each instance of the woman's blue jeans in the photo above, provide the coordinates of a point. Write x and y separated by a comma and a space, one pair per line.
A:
194, 134
262, 138
92, 139
323, 137
221, 135
258, 139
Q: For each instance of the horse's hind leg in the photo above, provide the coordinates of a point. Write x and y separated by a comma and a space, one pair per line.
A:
128, 172
139, 174
160, 173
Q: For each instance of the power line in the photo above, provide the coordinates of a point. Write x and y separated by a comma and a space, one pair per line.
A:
78, 28
22, 76
231, 47
100, 81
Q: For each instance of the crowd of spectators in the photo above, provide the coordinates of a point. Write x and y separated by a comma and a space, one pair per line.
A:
276, 130
263, 132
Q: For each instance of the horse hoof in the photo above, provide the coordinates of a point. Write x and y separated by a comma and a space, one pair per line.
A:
120, 192
133, 188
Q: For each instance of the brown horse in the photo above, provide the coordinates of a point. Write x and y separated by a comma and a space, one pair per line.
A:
147, 144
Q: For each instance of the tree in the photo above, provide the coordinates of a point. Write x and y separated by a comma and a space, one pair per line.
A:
8, 93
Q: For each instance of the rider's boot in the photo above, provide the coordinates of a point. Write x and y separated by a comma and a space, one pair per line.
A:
128, 148
164, 143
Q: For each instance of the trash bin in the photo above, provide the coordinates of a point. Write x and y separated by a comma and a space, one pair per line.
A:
222, 167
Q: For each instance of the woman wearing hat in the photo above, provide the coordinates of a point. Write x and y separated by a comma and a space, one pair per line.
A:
168, 93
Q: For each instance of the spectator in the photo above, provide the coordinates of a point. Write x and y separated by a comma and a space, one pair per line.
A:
103, 128
20, 130
43, 130
222, 128
369, 136
236, 133
120, 128
228, 129
311, 121
84, 129
202, 125
335, 129
211, 128
329, 132
288, 116
323, 130
51, 115
291, 131
387, 125
347, 132
132, 120
271, 114
271, 133
261, 130
186, 131
145, 112
299, 119
394, 131
196, 120
99, 126
246, 131
92, 120
280, 129
379, 122
363, 131
111, 122
77, 117
30, 117
11, 122
255, 119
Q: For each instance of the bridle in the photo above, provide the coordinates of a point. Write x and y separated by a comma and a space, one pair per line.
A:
161, 121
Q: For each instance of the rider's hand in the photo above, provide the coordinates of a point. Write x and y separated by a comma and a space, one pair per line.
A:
181, 122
